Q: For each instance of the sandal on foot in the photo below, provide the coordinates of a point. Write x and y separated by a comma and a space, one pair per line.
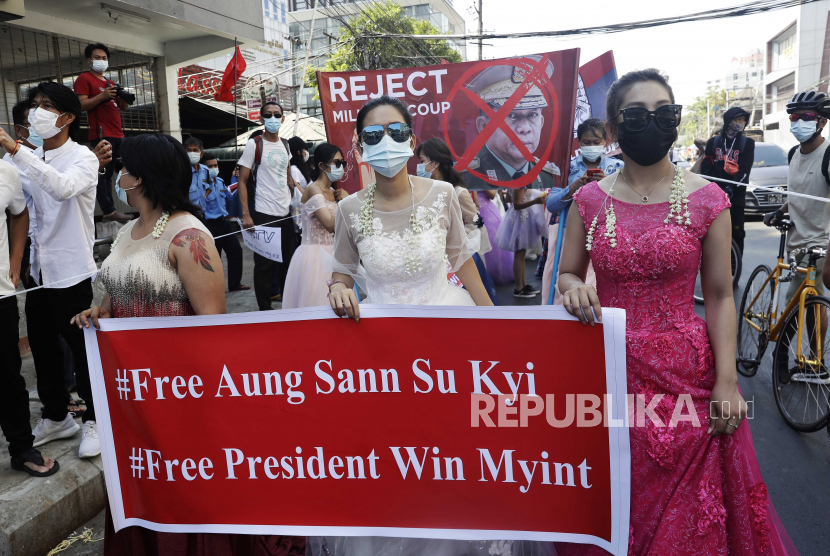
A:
33, 456
77, 412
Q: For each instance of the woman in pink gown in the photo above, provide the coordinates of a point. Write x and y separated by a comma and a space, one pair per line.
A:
695, 490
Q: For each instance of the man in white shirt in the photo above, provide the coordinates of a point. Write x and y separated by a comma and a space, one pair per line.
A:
63, 177
265, 191
14, 414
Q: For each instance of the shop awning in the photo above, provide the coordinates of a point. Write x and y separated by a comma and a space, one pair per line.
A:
211, 121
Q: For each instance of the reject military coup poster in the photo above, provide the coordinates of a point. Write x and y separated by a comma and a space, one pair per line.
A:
509, 122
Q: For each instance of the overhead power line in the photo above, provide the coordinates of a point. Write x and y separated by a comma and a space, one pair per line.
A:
750, 8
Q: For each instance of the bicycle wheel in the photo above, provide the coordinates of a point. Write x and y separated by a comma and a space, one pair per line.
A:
736, 273
737, 264
752, 340
802, 390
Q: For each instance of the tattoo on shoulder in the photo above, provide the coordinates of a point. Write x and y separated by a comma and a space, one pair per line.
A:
196, 241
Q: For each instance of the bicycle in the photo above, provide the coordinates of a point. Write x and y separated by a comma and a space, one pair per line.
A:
736, 273
799, 376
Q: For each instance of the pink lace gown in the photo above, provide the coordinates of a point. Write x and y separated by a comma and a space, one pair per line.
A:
690, 494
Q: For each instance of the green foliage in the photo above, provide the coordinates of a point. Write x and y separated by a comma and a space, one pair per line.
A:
362, 51
694, 115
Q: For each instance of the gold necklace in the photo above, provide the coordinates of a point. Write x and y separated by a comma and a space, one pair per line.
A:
643, 197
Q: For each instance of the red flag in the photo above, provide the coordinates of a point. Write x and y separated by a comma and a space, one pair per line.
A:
226, 89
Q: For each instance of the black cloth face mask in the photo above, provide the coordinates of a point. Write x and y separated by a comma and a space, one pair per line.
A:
647, 147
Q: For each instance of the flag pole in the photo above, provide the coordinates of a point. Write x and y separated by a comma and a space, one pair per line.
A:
235, 119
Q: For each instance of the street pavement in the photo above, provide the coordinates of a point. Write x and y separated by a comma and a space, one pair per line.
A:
795, 465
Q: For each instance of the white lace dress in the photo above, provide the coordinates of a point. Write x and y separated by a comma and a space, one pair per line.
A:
399, 265
305, 283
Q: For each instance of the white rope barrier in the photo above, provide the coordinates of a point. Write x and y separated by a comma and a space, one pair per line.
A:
86, 275
771, 189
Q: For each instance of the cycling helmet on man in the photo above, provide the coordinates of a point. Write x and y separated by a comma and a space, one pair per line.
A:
810, 100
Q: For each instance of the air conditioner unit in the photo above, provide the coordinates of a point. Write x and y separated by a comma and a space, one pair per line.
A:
11, 9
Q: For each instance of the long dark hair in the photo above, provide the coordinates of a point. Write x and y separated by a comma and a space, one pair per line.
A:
383, 100
324, 154
65, 100
297, 160
162, 164
614, 98
437, 151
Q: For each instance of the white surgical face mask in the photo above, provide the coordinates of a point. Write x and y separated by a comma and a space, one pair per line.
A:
213, 172
272, 125
422, 171
802, 130
100, 65
194, 157
305, 156
122, 193
592, 152
336, 173
33, 137
43, 122
387, 157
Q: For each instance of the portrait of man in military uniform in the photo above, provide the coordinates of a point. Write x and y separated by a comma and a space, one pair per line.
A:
500, 159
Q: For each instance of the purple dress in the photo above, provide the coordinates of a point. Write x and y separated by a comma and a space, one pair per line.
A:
499, 263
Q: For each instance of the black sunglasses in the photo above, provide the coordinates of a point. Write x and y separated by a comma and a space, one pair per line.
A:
372, 135
666, 116
338, 163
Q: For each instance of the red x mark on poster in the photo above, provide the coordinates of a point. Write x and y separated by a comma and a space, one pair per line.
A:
535, 77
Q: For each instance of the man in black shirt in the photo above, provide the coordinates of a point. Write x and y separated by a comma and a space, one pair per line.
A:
729, 155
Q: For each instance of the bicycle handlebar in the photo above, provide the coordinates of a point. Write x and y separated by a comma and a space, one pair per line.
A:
813, 253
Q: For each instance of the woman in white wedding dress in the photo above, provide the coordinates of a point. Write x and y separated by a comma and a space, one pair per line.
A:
395, 239
396, 236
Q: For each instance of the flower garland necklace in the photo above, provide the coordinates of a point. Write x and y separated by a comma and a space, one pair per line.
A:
158, 229
365, 225
678, 209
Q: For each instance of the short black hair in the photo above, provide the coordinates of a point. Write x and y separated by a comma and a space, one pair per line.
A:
162, 164
96, 46
19, 111
65, 100
592, 124
209, 156
270, 103
194, 142
383, 100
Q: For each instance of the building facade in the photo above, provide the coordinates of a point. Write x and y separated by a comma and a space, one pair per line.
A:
149, 40
797, 59
329, 18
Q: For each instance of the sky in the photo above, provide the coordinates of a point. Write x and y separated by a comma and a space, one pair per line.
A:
690, 53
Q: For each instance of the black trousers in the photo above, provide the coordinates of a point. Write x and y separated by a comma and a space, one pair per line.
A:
14, 412
230, 244
48, 312
263, 267
737, 196
104, 191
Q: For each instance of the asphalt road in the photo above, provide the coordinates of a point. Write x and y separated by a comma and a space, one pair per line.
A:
796, 466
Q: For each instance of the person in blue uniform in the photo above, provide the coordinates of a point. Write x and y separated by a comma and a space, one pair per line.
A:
216, 214
200, 179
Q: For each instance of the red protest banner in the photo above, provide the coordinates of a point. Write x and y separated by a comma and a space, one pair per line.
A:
507, 121
595, 78
405, 424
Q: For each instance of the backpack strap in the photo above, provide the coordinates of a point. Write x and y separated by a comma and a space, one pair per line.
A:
252, 180
791, 154
825, 160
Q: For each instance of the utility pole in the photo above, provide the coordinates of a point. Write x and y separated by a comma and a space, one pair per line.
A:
302, 76
708, 131
480, 30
